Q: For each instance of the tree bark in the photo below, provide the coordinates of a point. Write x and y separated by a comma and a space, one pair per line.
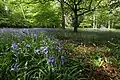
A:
76, 25
109, 24
63, 14
94, 21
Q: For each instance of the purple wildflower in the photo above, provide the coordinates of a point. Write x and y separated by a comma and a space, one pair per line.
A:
41, 48
37, 51
52, 60
62, 60
25, 31
44, 50
27, 45
35, 36
15, 47
14, 67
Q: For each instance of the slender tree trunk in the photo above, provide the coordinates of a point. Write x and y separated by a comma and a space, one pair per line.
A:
63, 14
109, 24
94, 21
112, 25
76, 25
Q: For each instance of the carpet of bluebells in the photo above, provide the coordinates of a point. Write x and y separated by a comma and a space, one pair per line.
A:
25, 55
38, 54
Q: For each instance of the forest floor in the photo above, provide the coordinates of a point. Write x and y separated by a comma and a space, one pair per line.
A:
100, 49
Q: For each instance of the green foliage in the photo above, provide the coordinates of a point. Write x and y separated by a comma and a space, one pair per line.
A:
47, 15
28, 55
3, 12
29, 13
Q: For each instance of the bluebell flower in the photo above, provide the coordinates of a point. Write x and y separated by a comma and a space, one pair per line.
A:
41, 48
44, 50
52, 60
27, 45
62, 60
15, 47
37, 51
25, 31
35, 36
14, 67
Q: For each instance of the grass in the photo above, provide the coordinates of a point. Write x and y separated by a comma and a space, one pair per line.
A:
60, 55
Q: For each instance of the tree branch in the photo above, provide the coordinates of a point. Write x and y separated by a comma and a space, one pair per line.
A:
68, 4
98, 4
73, 1
90, 3
79, 2
82, 9
85, 8
88, 10
85, 12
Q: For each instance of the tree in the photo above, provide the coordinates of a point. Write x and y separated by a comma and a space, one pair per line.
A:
105, 14
3, 9
80, 7
63, 13
28, 13
47, 15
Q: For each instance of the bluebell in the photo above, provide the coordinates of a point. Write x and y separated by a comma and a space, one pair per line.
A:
62, 60
44, 50
52, 60
14, 67
37, 51
27, 45
15, 47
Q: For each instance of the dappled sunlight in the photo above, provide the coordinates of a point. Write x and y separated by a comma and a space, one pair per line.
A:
97, 60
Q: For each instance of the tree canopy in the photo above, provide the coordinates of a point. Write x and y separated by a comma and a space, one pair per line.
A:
59, 13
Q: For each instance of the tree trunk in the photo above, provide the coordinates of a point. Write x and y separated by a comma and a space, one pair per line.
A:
76, 25
109, 24
63, 14
63, 21
94, 21
112, 24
